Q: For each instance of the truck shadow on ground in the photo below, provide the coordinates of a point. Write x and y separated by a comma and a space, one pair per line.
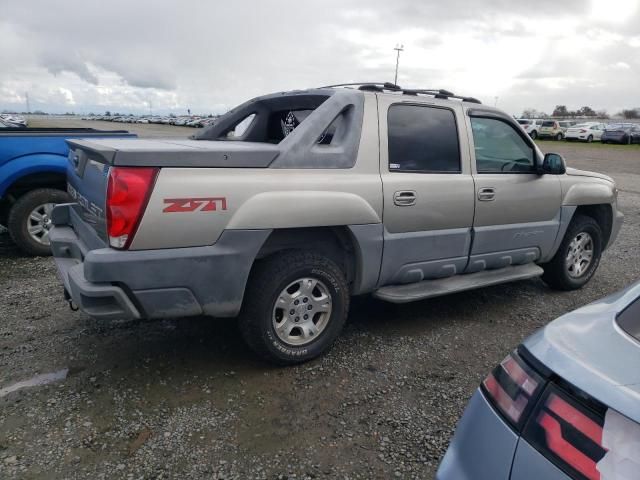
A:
202, 344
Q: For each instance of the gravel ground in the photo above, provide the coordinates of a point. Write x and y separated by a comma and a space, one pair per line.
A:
186, 399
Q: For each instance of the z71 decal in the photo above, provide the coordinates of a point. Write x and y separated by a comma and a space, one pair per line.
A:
210, 204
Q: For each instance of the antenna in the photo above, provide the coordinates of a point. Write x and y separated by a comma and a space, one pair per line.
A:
398, 48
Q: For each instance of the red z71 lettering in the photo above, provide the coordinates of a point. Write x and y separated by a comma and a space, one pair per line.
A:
210, 204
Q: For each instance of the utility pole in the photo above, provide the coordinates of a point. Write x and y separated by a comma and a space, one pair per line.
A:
150, 111
398, 48
26, 97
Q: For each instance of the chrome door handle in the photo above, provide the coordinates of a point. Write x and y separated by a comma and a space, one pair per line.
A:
404, 198
487, 194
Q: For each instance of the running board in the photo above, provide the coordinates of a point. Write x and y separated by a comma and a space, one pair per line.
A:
458, 283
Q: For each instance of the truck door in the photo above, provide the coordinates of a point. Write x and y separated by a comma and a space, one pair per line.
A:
517, 213
428, 189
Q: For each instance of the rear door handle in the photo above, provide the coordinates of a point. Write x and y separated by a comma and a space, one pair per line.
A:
404, 198
487, 194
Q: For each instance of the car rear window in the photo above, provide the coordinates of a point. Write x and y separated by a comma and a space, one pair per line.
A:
423, 139
524, 122
629, 319
548, 124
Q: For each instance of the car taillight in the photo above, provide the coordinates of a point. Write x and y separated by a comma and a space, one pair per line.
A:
128, 191
513, 387
567, 433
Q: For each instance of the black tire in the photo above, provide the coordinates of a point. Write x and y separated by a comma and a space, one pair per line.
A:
534, 135
556, 273
18, 222
268, 280
604, 142
590, 139
558, 137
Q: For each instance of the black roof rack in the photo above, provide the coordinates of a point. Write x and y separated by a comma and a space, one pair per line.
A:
392, 87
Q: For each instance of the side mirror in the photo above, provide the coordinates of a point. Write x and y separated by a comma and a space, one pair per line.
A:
553, 164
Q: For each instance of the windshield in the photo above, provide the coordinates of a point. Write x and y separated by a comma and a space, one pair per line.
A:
524, 122
629, 319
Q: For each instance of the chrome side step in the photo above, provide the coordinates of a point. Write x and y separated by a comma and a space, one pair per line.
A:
442, 286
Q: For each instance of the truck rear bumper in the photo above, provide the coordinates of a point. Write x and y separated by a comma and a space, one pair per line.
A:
107, 283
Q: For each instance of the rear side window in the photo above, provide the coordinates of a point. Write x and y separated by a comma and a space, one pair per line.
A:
422, 139
629, 319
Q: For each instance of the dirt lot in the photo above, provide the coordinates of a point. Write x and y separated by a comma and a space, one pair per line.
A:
186, 399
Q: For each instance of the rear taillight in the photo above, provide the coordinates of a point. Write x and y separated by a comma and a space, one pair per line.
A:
513, 387
568, 433
128, 191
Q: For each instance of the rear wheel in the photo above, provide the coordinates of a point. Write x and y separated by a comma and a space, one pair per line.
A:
295, 307
559, 136
590, 139
534, 135
30, 219
578, 257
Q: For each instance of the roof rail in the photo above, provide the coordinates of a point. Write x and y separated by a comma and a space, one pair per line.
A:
368, 85
392, 87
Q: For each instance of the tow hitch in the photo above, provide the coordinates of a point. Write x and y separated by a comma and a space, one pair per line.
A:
69, 300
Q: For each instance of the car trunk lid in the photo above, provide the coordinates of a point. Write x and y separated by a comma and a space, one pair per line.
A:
590, 350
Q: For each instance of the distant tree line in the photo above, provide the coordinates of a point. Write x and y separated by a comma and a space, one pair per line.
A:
561, 111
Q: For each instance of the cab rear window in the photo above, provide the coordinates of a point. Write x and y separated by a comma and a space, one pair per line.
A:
629, 319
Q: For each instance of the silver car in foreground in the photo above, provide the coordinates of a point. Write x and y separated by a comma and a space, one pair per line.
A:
564, 405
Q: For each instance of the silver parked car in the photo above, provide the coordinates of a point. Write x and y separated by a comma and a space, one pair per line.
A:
564, 406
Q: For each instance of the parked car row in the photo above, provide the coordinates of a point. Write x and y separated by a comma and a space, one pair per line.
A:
623, 133
182, 121
8, 120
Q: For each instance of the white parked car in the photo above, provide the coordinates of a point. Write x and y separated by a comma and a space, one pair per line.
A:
532, 127
586, 132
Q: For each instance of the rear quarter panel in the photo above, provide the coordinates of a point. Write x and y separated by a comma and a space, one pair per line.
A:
19, 167
264, 198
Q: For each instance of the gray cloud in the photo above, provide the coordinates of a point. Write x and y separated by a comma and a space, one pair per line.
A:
210, 55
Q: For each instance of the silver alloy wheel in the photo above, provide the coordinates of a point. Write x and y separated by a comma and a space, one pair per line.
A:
580, 255
302, 311
39, 223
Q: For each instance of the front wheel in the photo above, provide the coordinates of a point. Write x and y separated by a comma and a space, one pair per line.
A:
295, 307
534, 135
578, 257
559, 136
30, 219
590, 139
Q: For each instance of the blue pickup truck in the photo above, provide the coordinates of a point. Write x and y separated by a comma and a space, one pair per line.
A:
33, 163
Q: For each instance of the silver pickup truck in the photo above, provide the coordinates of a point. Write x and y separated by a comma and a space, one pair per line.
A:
293, 202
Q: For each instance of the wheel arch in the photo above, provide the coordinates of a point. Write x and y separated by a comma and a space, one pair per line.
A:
20, 184
603, 214
357, 249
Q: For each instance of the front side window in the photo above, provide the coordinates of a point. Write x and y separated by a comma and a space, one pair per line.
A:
423, 139
499, 148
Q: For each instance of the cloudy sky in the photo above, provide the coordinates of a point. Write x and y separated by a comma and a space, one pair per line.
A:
92, 55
